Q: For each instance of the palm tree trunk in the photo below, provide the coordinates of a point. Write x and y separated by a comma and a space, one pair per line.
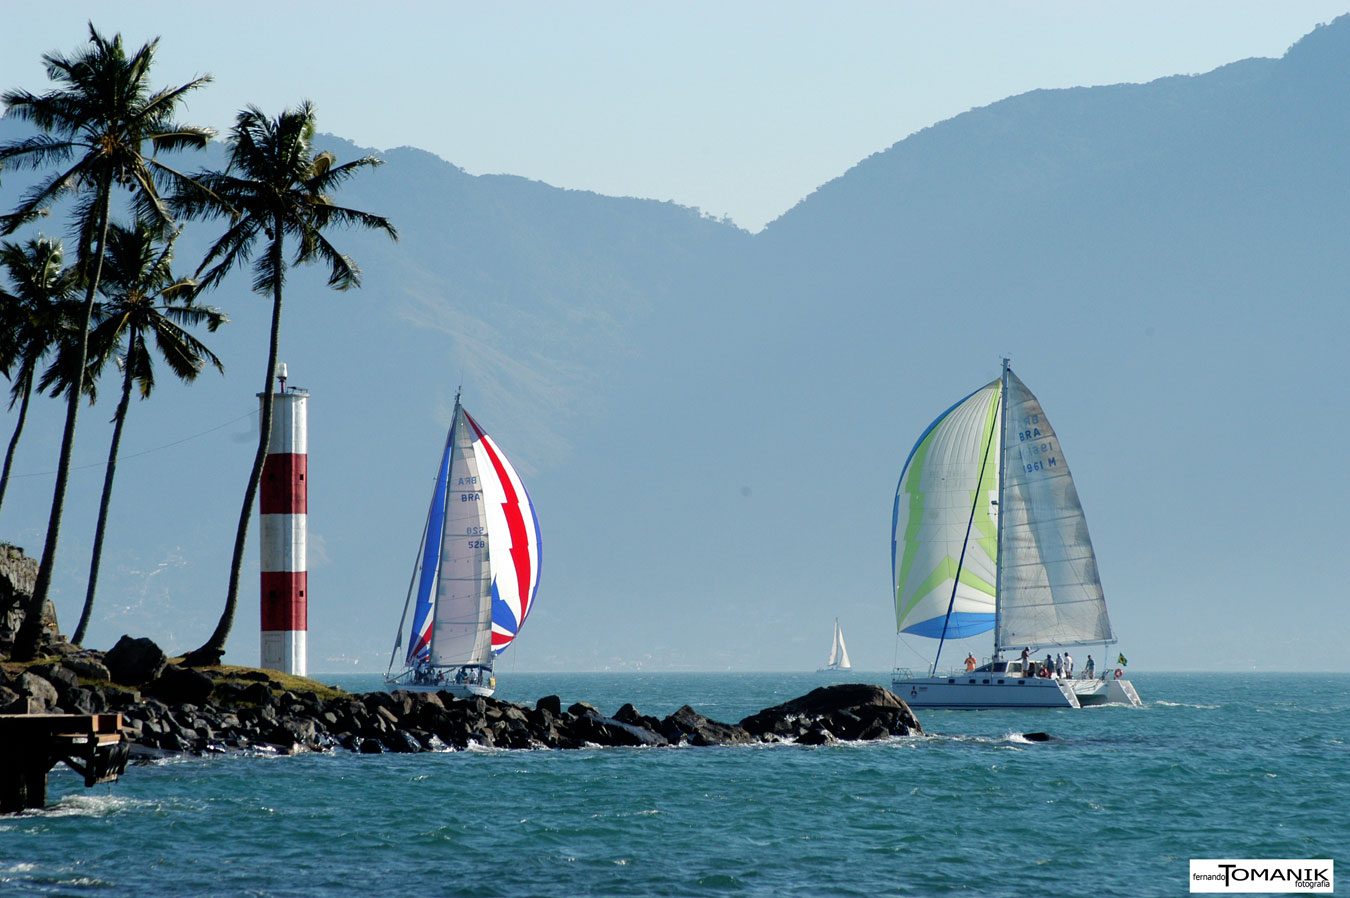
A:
214, 648
119, 420
26, 640
14, 440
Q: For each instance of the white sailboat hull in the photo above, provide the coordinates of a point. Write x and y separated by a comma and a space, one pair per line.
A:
985, 691
442, 681
455, 689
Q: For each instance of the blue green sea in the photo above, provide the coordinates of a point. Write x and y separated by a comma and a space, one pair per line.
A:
1214, 766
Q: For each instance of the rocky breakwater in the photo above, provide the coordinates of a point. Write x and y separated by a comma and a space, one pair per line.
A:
168, 708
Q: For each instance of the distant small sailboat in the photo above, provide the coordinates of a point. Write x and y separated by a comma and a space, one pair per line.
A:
838, 652
477, 569
988, 534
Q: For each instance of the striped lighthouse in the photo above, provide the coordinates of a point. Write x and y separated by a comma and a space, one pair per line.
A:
282, 505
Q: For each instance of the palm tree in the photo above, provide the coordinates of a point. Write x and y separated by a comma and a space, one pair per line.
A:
145, 302
274, 187
31, 321
101, 115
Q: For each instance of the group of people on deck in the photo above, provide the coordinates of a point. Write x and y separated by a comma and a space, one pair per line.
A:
426, 675
1060, 667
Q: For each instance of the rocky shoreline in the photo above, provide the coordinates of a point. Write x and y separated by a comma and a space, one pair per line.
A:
167, 708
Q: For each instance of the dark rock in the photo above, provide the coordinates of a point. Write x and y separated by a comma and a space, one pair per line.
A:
260, 695
134, 662
61, 677
874, 730
580, 709
817, 735
18, 577
89, 666
1038, 737
42, 695
688, 725
630, 715
79, 700
851, 707
401, 742
181, 685
610, 732
291, 730
550, 703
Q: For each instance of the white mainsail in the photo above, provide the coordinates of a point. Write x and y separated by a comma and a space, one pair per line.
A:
461, 632
1050, 592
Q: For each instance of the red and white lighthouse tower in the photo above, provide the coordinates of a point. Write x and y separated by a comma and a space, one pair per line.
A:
283, 506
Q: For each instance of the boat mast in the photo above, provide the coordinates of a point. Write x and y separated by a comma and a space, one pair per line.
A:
1002, 456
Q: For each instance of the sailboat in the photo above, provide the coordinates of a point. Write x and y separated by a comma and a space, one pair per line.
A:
477, 569
838, 653
988, 534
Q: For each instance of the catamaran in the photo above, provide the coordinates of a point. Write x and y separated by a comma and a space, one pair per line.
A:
477, 569
838, 653
988, 534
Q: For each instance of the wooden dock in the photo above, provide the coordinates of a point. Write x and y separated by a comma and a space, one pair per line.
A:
31, 745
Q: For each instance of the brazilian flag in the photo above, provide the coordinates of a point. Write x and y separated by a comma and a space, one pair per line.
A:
1120, 659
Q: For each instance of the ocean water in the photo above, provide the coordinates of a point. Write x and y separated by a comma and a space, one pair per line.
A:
1214, 766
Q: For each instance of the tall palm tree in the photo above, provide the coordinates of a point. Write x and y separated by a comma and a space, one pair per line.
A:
145, 302
275, 187
101, 115
30, 322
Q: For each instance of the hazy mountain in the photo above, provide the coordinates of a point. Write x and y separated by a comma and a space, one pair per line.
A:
712, 424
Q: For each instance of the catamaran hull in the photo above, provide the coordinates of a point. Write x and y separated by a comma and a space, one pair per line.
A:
993, 692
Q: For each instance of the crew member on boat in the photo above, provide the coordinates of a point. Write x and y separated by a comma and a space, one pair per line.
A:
970, 662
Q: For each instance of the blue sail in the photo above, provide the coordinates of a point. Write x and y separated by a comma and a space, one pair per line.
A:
419, 645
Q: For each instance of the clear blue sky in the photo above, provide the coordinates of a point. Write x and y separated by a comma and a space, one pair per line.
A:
740, 109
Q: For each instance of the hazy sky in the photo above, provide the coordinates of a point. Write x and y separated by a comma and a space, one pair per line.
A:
740, 109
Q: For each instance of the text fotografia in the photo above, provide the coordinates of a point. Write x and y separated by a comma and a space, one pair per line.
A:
1267, 876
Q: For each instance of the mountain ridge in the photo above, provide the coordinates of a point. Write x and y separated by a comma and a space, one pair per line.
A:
711, 422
